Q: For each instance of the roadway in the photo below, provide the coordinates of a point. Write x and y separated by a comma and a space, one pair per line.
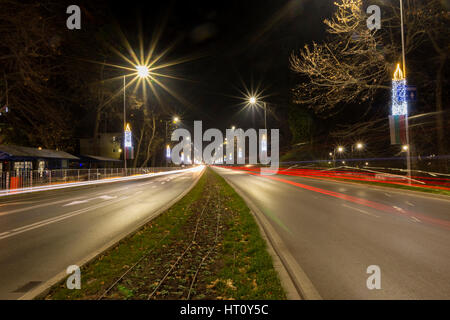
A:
334, 231
42, 233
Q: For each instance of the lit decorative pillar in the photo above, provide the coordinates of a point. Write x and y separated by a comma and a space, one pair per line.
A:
168, 151
128, 143
399, 112
398, 120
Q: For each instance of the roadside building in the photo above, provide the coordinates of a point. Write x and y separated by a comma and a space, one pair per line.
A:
18, 158
108, 146
91, 162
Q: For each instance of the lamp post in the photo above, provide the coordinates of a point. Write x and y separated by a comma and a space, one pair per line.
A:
339, 149
254, 101
359, 146
408, 151
175, 120
142, 72
124, 123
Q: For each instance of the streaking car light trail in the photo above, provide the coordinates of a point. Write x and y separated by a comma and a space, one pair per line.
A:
85, 183
368, 203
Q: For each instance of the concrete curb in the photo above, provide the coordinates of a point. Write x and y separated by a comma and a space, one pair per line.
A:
44, 288
293, 279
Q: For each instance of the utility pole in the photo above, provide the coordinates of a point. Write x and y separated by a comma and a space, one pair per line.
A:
408, 152
265, 115
124, 125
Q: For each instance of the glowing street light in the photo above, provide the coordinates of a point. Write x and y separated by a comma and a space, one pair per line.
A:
174, 120
359, 145
340, 149
405, 147
253, 101
143, 71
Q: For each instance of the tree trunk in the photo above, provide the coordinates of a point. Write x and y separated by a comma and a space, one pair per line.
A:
96, 149
138, 149
440, 117
149, 146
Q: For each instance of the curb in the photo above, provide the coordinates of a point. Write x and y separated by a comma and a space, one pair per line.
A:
44, 288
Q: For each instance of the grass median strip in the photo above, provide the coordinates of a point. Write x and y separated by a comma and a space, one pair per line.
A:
207, 246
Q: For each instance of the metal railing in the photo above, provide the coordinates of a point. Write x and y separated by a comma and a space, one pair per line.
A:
25, 178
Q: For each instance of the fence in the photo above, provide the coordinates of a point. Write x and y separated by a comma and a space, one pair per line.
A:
23, 178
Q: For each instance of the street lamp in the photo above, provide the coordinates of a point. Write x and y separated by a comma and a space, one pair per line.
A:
253, 101
142, 72
174, 120
339, 149
359, 146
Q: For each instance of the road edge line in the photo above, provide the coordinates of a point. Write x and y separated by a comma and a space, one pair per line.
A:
43, 289
293, 279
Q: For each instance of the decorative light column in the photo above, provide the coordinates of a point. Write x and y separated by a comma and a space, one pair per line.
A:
398, 121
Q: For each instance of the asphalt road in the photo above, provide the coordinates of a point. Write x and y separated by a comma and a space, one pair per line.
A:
42, 233
334, 231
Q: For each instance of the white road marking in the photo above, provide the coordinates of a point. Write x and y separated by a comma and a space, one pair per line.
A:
103, 197
48, 204
75, 203
163, 182
56, 219
409, 203
106, 197
3, 233
415, 219
387, 194
360, 210
398, 209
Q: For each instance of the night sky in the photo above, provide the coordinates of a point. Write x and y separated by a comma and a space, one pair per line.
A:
233, 44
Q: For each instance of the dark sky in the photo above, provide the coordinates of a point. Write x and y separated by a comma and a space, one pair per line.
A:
233, 43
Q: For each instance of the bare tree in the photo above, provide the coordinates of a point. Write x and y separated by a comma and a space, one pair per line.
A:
354, 62
31, 64
354, 65
350, 66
